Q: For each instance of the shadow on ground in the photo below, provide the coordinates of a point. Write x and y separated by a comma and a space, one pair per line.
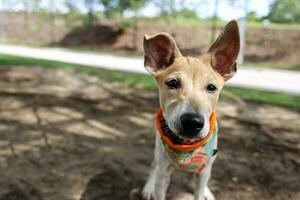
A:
66, 135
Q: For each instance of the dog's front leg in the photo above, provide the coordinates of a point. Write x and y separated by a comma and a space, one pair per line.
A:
160, 173
201, 190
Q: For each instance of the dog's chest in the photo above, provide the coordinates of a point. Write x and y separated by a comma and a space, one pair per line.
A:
193, 161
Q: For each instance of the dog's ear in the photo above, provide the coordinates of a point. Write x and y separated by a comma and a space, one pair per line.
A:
225, 50
160, 51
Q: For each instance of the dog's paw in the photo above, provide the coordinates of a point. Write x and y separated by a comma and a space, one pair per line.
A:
208, 194
148, 190
147, 195
137, 194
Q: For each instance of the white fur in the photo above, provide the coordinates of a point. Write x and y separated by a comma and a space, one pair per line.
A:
161, 170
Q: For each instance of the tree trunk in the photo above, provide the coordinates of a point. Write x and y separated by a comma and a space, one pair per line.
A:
214, 22
52, 21
25, 14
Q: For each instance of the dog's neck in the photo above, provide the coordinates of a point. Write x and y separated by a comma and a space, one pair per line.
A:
177, 143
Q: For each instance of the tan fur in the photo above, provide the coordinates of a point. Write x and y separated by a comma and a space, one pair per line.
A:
164, 61
194, 74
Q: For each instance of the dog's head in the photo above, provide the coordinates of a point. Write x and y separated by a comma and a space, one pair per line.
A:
189, 87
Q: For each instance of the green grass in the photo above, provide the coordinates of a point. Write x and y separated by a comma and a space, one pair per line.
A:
260, 96
131, 79
147, 82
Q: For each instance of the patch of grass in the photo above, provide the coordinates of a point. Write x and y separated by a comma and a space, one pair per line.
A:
17, 60
260, 96
131, 79
147, 82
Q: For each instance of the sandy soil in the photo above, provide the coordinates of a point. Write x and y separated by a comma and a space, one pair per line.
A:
66, 135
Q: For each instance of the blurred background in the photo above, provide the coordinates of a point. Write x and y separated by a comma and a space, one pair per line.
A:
272, 27
77, 107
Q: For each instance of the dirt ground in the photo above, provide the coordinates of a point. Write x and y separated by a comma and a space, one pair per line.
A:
66, 135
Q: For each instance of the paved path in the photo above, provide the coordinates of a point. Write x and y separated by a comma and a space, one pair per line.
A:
267, 79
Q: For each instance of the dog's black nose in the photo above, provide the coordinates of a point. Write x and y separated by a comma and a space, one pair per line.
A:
191, 124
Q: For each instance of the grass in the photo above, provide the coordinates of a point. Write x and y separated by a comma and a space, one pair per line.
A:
147, 82
267, 97
131, 79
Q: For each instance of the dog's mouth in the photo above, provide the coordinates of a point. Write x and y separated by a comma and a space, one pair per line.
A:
177, 138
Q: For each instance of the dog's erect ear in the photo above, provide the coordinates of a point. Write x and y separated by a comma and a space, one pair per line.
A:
225, 50
160, 51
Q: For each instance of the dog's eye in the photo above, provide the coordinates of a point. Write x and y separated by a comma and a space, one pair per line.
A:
211, 88
173, 84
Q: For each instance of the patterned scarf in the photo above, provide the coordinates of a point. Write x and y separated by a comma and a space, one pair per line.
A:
190, 157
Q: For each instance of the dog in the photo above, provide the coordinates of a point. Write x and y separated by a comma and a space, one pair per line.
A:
189, 89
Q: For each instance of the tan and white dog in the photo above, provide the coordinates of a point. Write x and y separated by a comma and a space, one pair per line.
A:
189, 89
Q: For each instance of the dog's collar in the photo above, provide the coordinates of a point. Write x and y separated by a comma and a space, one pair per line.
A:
184, 147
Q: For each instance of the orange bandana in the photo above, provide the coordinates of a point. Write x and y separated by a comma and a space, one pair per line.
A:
190, 157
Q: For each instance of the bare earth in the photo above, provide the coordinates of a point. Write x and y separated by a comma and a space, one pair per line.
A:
66, 135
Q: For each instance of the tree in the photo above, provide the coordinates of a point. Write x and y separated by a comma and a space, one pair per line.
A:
113, 7
187, 13
90, 14
26, 11
252, 17
214, 22
73, 15
116, 9
284, 11
167, 7
52, 18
